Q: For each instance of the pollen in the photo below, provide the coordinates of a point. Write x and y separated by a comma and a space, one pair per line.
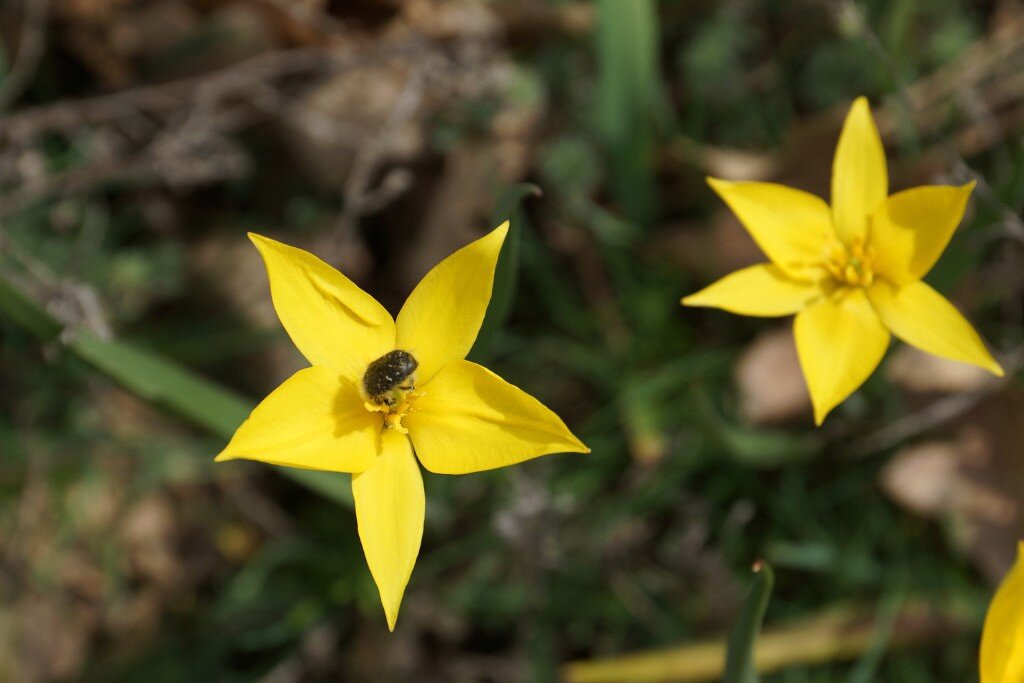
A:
394, 413
850, 265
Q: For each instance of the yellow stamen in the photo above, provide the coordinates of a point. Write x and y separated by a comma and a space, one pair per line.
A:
850, 266
393, 414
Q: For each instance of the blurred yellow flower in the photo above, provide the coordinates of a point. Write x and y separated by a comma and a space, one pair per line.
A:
851, 273
380, 390
1002, 641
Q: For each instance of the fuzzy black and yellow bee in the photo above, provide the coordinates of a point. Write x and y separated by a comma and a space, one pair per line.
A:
390, 377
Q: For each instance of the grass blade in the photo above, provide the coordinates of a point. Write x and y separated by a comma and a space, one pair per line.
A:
629, 101
159, 381
740, 666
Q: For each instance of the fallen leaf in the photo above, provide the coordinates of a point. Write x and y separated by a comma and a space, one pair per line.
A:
770, 383
921, 372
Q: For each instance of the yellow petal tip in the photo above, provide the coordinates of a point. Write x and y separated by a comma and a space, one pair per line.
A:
261, 242
820, 412
861, 104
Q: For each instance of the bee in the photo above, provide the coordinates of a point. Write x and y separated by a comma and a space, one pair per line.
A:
388, 378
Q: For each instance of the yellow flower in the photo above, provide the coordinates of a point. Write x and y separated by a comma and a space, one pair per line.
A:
380, 389
1002, 641
850, 272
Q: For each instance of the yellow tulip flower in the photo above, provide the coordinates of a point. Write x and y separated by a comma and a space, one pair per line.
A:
1002, 641
381, 389
850, 272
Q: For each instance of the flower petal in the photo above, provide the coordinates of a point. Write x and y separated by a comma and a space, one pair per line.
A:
331, 320
922, 317
1002, 640
791, 226
840, 342
441, 318
470, 420
315, 421
911, 229
390, 508
860, 180
762, 290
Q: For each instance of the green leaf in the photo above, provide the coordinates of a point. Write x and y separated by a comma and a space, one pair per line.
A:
630, 100
889, 612
754, 447
162, 382
26, 313
740, 666
506, 275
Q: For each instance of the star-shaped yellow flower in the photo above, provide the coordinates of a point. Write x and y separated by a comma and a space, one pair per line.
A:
1002, 641
851, 273
380, 390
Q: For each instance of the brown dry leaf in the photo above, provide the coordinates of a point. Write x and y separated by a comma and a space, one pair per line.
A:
150, 533
770, 382
53, 639
457, 210
128, 416
920, 372
232, 266
326, 127
449, 19
990, 504
974, 482
923, 477
535, 21
708, 250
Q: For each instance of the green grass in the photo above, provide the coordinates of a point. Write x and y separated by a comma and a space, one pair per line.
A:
568, 557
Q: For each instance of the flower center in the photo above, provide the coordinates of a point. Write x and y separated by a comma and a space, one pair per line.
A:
389, 384
851, 266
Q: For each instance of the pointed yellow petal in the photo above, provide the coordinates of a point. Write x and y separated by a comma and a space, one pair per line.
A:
332, 322
922, 317
791, 226
441, 318
840, 342
860, 180
390, 507
469, 420
1002, 641
763, 290
911, 229
314, 421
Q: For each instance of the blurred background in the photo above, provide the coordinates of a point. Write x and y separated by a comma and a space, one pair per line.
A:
141, 139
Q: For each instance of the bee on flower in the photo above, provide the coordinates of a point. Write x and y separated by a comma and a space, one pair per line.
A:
382, 393
851, 273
